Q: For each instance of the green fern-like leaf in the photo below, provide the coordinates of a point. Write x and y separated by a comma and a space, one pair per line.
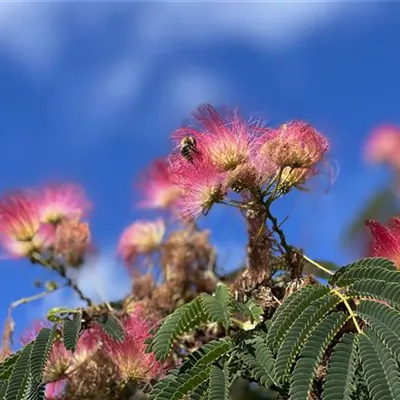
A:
312, 353
250, 309
384, 321
219, 384
201, 392
3, 388
111, 325
299, 332
7, 365
181, 321
40, 351
380, 369
71, 330
218, 307
340, 378
290, 310
19, 380
376, 289
207, 354
34, 390
181, 386
363, 264
260, 365
378, 273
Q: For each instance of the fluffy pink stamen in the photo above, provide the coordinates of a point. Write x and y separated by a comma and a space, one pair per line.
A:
141, 237
386, 240
56, 202
130, 356
20, 229
157, 187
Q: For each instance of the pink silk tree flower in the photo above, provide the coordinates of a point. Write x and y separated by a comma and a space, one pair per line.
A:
21, 231
202, 186
295, 144
386, 240
61, 201
141, 238
158, 189
130, 357
225, 141
383, 146
62, 364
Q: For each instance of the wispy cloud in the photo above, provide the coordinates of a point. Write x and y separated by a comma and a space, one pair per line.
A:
34, 35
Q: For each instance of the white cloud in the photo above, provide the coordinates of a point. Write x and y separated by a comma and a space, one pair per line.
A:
263, 24
37, 34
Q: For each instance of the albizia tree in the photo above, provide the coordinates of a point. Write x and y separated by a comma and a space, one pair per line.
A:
187, 331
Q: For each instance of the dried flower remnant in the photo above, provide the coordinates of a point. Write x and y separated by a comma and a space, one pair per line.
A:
386, 240
21, 232
141, 238
58, 202
383, 146
71, 241
157, 186
130, 357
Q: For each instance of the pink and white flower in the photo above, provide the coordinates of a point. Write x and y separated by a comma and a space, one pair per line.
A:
57, 202
158, 189
202, 185
130, 357
141, 238
21, 231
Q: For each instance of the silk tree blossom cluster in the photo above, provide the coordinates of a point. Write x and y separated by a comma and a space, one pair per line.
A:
141, 238
62, 363
31, 221
386, 240
98, 358
228, 154
129, 356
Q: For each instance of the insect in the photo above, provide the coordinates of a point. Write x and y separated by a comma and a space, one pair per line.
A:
188, 147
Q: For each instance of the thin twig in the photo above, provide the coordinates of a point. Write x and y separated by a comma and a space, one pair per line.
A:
319, 266
62, 272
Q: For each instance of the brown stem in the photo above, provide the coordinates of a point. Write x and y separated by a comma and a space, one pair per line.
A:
61, 270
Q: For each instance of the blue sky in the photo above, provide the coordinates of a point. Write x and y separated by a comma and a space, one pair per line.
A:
90, 93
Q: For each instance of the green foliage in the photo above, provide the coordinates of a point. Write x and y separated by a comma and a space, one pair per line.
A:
18, 382
260, 363
340, 378
218, 307
71, 330
219, 384
112, 327
7, 365
380, 369
40, 351
335, 341
181, 321
311, 355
